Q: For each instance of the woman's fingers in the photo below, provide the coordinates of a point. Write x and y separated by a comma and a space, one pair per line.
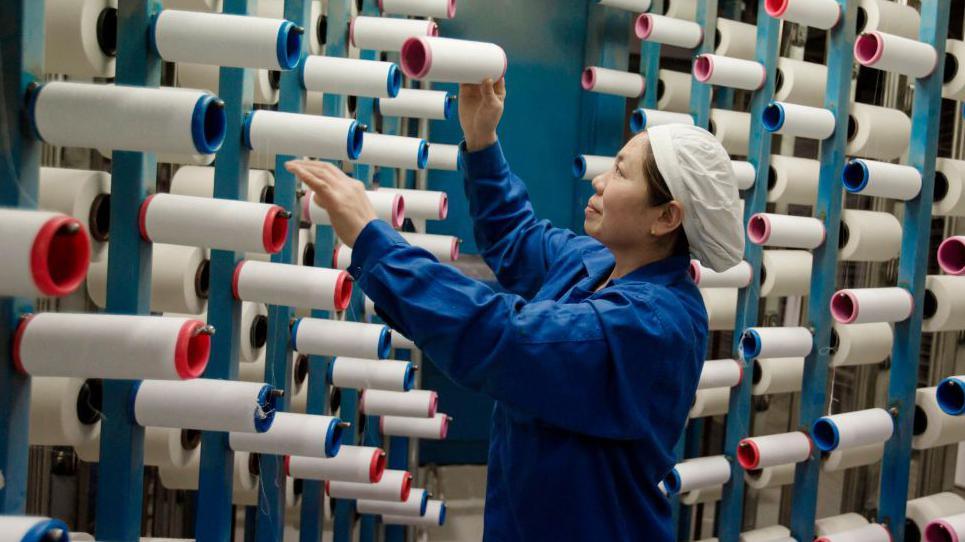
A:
501, 87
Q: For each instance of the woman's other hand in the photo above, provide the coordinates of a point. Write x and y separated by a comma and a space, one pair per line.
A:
480, 108
342, 196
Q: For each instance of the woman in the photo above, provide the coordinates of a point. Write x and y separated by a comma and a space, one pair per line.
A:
594, 356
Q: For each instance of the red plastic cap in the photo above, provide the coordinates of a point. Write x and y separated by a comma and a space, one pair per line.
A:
868, 48
17, 339
191, 350
951, 255
643, 26
288, 468
275, 230
776, 8
398, 211
59, 256
588, 79
343, 291
377, 466
444, 428
433, 404
454, 249
443, 206
416, 57
695, 271
406, 486
235, 277
759, 229
703, 68
844, 306
142, 217
748, 454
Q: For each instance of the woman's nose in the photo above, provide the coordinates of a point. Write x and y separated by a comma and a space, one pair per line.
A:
599, 183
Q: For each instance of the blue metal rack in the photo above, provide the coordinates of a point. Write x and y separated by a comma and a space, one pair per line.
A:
22, 51
700, 92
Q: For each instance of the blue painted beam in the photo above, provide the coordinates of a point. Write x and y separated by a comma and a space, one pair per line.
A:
700, 92
912, 268
121, 467
731, 510
22, 51
650, 64
824, 268
724, 96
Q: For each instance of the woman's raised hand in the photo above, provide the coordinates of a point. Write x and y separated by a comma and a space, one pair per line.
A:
349, 209
480, 108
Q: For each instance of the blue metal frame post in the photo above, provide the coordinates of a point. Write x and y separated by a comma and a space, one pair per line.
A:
912, 268
700, 92
650, 64
121, 467
824, 269
738, 415
22, 51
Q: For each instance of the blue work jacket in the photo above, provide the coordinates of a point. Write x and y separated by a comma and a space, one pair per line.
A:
592, 389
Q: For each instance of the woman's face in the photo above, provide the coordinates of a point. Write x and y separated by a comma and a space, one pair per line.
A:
619, 214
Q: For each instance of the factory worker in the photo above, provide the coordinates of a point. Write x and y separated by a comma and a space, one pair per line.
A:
594, 351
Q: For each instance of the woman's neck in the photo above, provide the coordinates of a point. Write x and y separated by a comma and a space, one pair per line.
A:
628, 261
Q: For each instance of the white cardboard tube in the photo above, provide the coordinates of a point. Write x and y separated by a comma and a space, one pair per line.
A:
954, 86
444, 247
351, 76
951, 255
839, 523
745, 173
798, 120
422, 204
400, 341
64, 411
394, 151
351, 464
852, 429
944, 309
240, 41
877, 132
934, 427
721, 305
416, 403
180, 278
451, 60
705, 495
395, 485
588, 166
772, 450
923, 510
80, 37
793, 180
321, 337
198, 181
860, 344
777, 476
289, 285
787, 231
214, 223
729, 72
668, 30
738, 276
439, 9
886, 16
45, 254
434, 428
111, 346
208, 405
735, 39
169, 446
206, 77
435, 516
949, 188
732, 129
415, 506
710, 402
777, 375
444, 157
874, 532
617, 82
389, 207
800, 82
891, 53
33, 529
698, 473
274, 132
774, 533
114, 117
82, 194
387, 33
857, 457
184, 478
822, 14
358, 373
720, 373
881, 179
864, 305
417, 103
673, 91
641, 119
776, 342
293, 434
869, 236
786, 273
636, 6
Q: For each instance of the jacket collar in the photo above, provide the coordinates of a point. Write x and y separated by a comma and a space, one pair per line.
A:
599, 263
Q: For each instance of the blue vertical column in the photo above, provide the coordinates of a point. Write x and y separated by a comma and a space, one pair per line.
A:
121, 469
650, 64
22, 51
724, 96
700, 92
270, 519
214, 519
731, 510
912, 268
824, 268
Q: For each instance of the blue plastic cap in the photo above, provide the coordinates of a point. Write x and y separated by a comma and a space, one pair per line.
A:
825, 434
295, 333
267, 403
288, 45
152, 34
671, 482
408, 379
32, 96
855, 176
423, 158
330, 371
449, 106
354, 143
579, 167
394, 82
442, 514
209, 123
750, 344
333, 438
950, 395
638, 121
246, 129
44, 527
773, 117
385, 342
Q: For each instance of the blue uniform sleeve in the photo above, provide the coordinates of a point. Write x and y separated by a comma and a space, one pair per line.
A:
516, 246
599, 367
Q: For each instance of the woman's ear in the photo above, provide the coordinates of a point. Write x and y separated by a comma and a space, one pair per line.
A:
670, 218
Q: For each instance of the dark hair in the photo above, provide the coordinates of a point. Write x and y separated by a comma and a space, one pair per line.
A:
659, 194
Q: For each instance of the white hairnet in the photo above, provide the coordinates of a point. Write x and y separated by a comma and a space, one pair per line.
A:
699, 175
